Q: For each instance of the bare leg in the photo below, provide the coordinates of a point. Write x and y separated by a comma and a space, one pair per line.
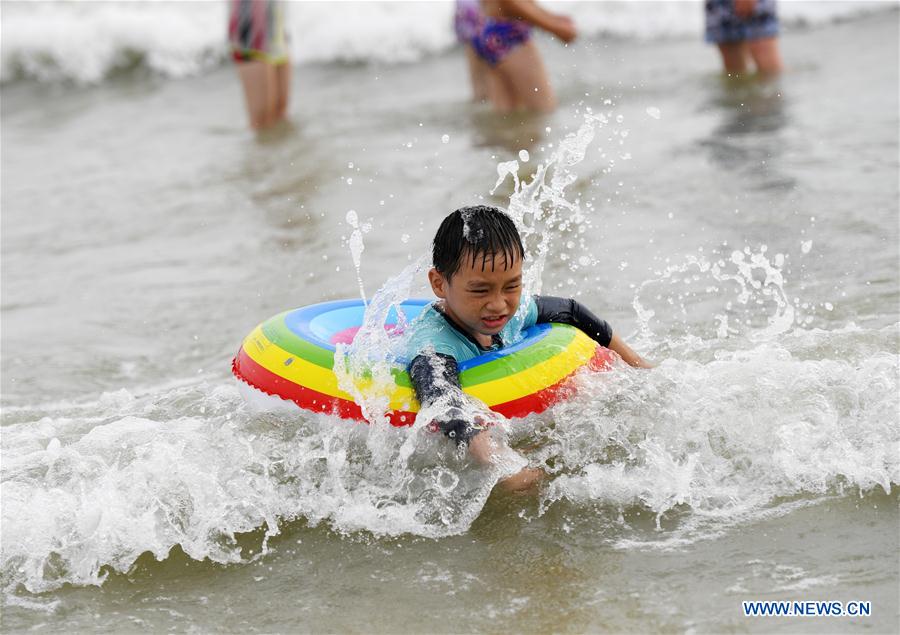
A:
282, 90
271, 94
734, 57
766, 55
525, 78
498, 92
478, 71
255, 76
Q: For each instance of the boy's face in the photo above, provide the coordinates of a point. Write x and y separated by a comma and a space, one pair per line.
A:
481, 299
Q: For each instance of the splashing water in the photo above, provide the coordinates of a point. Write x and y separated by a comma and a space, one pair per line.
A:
357, 246
374, 350
755, 306
751, 434
505, 169
540, 208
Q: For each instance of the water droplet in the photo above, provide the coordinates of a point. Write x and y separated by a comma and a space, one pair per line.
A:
805, 246
654, 112
445, 138
404, 238
524, 156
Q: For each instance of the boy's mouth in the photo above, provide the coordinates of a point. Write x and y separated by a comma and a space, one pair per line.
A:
493, 321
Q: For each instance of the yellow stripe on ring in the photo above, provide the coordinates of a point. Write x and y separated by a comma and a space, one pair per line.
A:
534, 379
539, 376
303, 373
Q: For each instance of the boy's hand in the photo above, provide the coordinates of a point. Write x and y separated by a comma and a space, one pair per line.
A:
458, 425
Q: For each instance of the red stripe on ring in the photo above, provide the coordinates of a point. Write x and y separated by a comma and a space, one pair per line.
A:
264, 380
247, 370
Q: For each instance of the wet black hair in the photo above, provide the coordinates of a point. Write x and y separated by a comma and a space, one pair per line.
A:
477, 231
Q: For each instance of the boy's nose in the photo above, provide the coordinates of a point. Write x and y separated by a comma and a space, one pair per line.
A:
497, 304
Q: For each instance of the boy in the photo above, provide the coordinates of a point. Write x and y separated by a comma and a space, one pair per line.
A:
477, 276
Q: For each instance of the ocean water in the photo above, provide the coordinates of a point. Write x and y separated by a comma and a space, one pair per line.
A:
742, 235
86, 42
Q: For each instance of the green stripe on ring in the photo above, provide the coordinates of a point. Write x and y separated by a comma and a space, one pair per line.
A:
282, 337
554, 343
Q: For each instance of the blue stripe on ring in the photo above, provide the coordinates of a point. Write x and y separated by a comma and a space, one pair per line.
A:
530, 336
317, 323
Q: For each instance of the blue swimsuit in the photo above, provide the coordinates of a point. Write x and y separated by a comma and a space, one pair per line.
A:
497, 38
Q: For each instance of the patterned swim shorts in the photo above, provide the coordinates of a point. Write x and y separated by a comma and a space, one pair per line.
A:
256, 31
723, 26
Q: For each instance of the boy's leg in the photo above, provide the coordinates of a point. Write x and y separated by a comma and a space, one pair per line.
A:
766, 55
734, 57
282, 90
524, 74
255, 77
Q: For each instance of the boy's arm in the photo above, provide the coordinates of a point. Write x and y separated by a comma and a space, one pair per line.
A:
570, 311
628, 354
559, 25
435, 377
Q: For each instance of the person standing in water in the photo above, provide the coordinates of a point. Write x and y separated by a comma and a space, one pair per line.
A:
258, 41
746, 31
516, 78
467, 22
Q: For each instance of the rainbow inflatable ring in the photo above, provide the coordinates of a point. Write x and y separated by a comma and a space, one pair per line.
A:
292, 355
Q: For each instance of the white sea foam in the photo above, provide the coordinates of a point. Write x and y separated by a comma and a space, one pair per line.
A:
88, 490
85, 42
